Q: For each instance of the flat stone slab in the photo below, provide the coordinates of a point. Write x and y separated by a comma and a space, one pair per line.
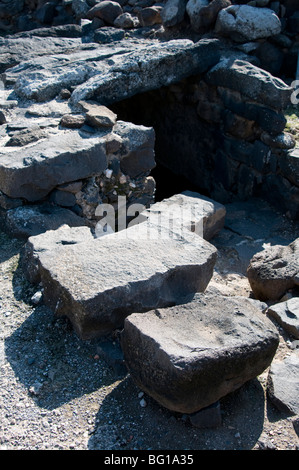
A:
189, 210
33, 172
49, 240
98, 283
283, 384
287, 315
150, 68
16, 49
189, 356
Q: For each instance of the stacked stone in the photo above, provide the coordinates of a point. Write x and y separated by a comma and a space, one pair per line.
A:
264, 28
267, 29
60, 169
235, 133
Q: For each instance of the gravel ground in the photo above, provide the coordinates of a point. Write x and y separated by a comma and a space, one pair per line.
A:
60, 393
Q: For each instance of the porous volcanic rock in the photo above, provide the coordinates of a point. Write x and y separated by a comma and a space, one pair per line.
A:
189, 356
273, 271
98, 283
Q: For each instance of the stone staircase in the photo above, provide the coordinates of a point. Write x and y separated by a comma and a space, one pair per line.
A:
184, 347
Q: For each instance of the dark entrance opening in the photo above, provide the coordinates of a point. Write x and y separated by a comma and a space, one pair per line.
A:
177, 155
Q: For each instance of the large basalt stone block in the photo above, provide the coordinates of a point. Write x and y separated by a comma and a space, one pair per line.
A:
33, 172
191, 211
149, 68
98, 283
248, 23
251, 81
49, 240
273, 271
189, 356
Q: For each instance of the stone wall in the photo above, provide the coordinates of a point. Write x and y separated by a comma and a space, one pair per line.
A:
224, 131
213, 97
277, 50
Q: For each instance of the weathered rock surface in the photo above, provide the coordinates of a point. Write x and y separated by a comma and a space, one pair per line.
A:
66, 156
251, 81
203, 14
106, 10
189, 356
49, 241
133, 69
136, 152
41, 74
17, 49
248, 23
287, 315
272, 272
25, 137
154, 267
173, 12
125, 21
150, 68
108, 35
283, 384
189, 210
72, 121
27, 221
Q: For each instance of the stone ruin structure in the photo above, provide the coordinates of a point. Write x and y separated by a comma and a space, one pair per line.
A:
96, 98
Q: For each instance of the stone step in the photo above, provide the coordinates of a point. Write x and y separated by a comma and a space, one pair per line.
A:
97, 282
189, 356
189, 210
49, 240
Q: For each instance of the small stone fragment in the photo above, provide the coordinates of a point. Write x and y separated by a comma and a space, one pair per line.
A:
37, 298
98, 115
72, 121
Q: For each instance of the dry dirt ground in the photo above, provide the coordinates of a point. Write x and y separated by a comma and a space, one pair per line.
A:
60, 393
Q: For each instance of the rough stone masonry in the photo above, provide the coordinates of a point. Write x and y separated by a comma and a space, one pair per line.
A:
93, 96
